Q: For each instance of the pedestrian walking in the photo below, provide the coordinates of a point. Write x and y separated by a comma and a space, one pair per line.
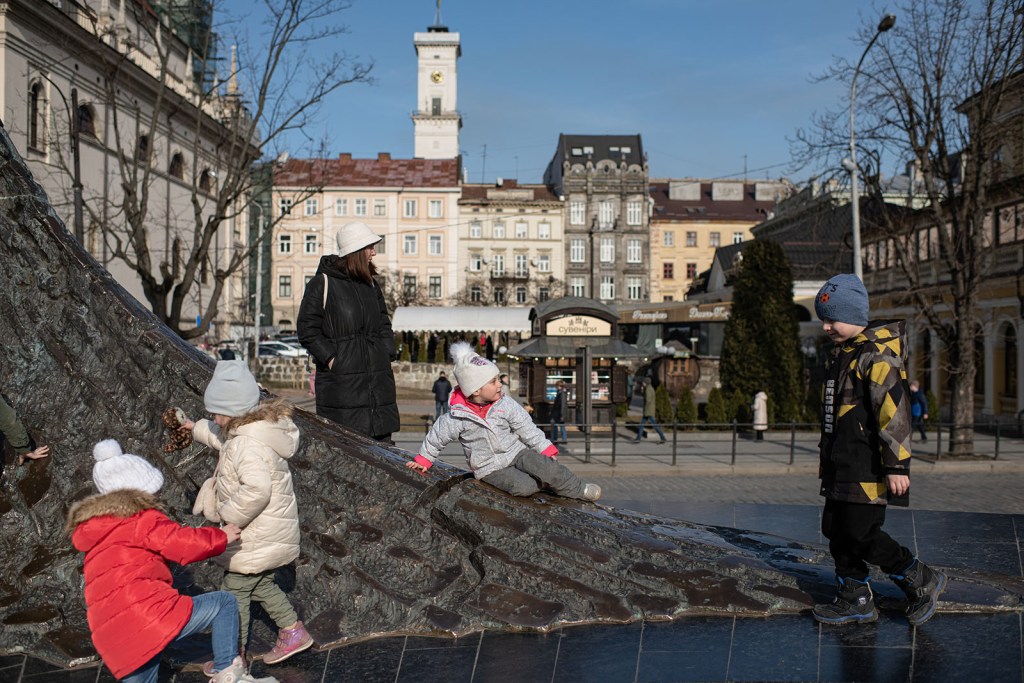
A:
865, 457
918, 409
650, 412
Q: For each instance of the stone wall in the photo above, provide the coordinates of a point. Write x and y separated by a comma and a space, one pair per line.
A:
283, 372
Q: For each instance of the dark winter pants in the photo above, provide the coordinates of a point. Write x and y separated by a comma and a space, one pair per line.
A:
855, 539
531, 471
917, 422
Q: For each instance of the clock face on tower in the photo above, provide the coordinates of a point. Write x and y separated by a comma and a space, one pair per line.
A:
437, 76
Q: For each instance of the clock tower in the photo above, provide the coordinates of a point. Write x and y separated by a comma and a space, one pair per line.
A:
436, 120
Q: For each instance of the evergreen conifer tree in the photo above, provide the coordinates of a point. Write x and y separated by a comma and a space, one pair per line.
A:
761, 349
717, 410
686, 409
662, 406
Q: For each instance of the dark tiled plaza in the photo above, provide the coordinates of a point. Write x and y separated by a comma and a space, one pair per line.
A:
951, 647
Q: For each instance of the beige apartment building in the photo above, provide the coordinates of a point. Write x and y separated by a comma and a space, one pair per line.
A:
411, 203
691, 218
510, 244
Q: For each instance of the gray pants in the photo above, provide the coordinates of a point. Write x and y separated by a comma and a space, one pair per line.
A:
262, 589
531, 471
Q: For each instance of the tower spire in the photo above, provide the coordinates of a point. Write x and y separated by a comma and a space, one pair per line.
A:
437, 14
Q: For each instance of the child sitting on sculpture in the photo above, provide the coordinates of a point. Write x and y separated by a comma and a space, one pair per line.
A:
133, 610
502, 445
252, 487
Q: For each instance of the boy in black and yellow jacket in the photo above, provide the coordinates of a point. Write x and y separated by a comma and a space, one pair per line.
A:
865, 457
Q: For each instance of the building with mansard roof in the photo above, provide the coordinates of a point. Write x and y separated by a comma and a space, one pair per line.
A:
56, 60
603, 182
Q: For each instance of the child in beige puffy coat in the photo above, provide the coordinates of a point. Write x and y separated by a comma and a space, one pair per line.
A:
252, 487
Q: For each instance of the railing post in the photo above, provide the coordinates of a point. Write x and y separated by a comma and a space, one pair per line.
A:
996, 457
615, 437
675, 440
586, 436
938, 441
734, 441
792, 440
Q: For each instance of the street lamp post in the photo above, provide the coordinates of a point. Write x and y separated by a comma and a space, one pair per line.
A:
76, 173
887, 22
258, 305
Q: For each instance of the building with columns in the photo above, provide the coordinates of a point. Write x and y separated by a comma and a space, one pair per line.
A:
603, 182
56, 60
510, 244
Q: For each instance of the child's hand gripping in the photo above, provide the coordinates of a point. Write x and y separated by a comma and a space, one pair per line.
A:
232, 531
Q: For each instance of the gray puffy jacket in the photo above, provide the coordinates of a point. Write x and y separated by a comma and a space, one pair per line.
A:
490, 444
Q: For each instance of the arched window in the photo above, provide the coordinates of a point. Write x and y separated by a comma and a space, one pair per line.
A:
86, 120
1009, 338
177, 167
142, 149
36, 121
206, 180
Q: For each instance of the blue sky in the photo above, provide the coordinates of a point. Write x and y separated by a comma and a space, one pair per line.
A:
704, 82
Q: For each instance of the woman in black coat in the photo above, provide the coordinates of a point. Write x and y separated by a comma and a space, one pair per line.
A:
348, 334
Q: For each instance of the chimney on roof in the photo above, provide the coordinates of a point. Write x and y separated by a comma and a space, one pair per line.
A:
383, 156
345, 156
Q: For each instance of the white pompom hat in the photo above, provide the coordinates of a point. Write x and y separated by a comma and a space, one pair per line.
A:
472, 371
115, 470
352, 237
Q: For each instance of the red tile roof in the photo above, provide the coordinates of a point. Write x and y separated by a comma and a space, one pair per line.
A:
380, 172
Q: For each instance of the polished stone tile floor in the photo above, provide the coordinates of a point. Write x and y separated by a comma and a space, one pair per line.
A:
950, 647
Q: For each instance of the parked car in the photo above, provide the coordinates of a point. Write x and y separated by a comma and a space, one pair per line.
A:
281, 349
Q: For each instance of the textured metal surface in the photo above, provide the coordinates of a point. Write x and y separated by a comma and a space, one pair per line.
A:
385, 550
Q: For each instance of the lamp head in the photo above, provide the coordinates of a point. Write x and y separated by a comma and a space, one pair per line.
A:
887, 22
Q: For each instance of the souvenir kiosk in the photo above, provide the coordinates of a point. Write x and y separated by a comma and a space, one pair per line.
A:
572, 336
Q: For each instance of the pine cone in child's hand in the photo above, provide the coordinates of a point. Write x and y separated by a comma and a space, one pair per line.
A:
180, 437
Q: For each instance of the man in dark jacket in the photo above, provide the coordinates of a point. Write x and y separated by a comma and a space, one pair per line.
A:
559, 411
865, 457
344, 324
442, 390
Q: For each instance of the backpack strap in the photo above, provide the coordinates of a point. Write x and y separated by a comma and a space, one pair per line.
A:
325, 290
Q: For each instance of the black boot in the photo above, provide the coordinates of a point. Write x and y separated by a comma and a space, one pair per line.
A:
854, 602
923, 585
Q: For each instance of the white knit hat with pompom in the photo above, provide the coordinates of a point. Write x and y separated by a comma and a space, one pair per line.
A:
471, 370
115, 470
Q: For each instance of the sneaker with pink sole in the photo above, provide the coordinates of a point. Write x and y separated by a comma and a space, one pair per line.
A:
290, 641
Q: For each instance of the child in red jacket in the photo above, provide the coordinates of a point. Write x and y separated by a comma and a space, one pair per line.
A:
128, 540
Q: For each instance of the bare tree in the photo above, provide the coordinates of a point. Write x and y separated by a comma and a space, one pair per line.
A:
480, 291
275, 85
399, 291
932, 96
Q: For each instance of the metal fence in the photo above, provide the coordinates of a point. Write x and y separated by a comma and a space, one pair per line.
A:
724, 442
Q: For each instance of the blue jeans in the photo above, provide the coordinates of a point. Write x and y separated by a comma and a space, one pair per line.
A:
555, 429
217, 611
439, 408
654, 425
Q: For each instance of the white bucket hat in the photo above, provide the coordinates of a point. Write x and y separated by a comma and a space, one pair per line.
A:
352, 237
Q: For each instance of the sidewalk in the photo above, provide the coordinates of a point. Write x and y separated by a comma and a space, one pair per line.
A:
699, 453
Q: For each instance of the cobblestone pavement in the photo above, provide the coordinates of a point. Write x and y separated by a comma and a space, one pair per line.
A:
955, 492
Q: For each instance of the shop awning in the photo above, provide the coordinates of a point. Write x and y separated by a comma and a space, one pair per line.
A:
461, 319
566, 347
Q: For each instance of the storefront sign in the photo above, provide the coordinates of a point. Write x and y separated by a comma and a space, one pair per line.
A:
650, 316
716, 313
578, 326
